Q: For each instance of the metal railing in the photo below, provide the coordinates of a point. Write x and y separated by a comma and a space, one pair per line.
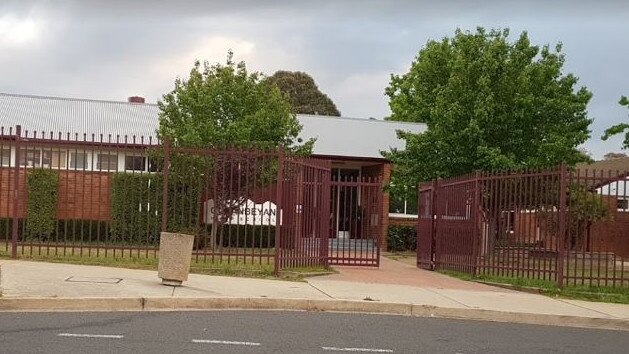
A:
570, 227
71, 195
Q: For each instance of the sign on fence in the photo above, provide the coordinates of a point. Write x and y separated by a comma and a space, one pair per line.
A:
247, 213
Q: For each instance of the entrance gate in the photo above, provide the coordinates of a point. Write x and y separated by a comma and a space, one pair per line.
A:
355, 221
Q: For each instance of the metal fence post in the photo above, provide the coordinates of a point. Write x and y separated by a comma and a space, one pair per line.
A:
476, 215
278, 205
435, 223
562, 237
324, 232
16, 189
165, 175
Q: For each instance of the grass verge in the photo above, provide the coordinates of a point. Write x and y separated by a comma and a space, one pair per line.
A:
619, 295
235, 267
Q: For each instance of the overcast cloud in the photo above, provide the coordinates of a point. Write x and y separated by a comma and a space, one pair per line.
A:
114, 49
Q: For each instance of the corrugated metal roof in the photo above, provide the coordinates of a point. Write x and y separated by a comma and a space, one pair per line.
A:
69, 115
336, 136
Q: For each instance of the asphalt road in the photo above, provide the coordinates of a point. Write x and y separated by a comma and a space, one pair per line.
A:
287, 332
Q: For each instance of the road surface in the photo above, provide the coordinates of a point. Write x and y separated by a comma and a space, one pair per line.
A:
287, 332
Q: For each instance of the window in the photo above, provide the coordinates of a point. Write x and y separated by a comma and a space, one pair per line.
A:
78, 160
30, 157
134, 163
107, 162
154, 165
623, 204
403, 203
54, 159
5, 155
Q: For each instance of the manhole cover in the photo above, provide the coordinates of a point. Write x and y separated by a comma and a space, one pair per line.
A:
74, 279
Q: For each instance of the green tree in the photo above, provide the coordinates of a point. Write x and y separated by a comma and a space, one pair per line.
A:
222, 105
303, 93
489, 104
620, 128
614, 155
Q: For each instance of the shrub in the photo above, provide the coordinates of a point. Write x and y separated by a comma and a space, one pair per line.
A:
401, 238
136, 206
247, 236
82, 231
42, 189
136, 201
6, 229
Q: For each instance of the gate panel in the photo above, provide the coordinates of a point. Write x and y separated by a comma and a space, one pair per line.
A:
355, 222
456, 221
302, 231
425, 227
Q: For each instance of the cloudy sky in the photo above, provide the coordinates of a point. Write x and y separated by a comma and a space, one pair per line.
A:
114, 49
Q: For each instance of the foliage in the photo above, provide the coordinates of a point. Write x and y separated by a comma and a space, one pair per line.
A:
136, 206
41, 210
614, 155
303, 93
620, 128
401, 238
136, 201
488, 104
583, 206
88, 231
251, 236
584, 209
6, 228
221, 105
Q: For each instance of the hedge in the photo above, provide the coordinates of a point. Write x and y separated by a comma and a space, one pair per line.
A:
136, 206
41, 212
247, 236
401, 238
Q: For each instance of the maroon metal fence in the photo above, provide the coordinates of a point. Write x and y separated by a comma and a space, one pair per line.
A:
425, 227
304, 195
71, 195
570, 227
355, 229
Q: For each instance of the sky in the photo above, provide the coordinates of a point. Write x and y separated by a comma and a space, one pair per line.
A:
114, 49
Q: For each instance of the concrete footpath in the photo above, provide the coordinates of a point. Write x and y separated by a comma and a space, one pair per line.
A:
395, 288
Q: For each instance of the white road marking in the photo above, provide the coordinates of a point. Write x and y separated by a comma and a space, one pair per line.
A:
84, 335
227, 342
368, 350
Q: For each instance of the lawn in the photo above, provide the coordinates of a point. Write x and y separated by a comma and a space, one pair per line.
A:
245, 262
546, 287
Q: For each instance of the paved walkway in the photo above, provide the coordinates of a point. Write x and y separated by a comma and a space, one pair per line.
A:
403, 273
30, 284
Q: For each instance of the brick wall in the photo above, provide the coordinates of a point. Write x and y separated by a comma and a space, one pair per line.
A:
7, 178
82, 195
393, 221
382, 171
611, 235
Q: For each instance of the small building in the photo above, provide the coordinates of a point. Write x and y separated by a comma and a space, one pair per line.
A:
352, 146
609, 179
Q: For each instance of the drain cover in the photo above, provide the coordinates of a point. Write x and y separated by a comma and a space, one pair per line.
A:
74, 279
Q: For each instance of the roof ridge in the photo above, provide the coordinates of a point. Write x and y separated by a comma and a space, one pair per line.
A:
59, 98
361, 119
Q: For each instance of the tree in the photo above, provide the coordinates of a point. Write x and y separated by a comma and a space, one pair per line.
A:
303, 93
620, 128
488, 104
614, 155
216, 107
222, 105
